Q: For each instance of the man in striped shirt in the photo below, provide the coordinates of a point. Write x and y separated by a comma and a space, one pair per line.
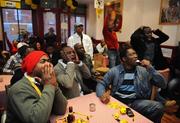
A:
132, 84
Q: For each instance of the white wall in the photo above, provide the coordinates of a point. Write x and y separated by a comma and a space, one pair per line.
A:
135, 14
172, 32
151, 13
151, 18
94, 23
132, 11
91, 20
178, 35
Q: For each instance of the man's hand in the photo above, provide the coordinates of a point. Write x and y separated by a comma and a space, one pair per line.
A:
105, 98
145, 63
77, 61
97, 73
49, 74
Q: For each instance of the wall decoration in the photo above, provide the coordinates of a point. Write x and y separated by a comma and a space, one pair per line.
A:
72, 4
114, 10
170, 12
99, 5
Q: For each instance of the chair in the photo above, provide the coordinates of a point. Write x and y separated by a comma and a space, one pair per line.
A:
100, 65
100, 61
166, 74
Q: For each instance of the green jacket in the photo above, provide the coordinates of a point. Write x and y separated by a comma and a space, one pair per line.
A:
26, 106
68, 78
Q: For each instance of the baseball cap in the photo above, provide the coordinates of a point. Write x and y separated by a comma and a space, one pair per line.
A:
78, 24
20, 44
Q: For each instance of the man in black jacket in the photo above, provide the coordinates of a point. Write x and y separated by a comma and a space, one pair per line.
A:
148, 47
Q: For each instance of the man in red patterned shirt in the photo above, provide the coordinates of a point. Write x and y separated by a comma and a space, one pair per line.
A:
112, 24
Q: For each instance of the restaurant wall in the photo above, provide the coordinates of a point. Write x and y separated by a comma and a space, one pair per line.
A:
94, 23
132, 18
151, 18
135, 14
91, 20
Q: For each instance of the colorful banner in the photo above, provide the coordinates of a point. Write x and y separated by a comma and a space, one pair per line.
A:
10, 4
99, 4
28, 2
14, 0
34, 6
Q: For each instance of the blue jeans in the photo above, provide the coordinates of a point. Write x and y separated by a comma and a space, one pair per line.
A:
151, 109
113, 58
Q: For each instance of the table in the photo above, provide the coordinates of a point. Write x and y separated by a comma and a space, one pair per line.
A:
103, 113
5, 81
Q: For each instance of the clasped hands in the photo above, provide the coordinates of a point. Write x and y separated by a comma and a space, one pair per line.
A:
48, 74
145, 63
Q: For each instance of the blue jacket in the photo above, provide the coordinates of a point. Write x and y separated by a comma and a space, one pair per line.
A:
144, 79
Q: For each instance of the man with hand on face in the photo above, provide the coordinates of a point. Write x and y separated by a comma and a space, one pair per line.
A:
132, 85
70, 72
86, 59
148, 47
33, 98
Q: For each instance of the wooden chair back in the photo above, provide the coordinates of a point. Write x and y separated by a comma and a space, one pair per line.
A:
166, 74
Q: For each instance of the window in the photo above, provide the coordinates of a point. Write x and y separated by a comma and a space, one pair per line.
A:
15, 21
72, 23
25, 20
49, 21
11, 23
74, 18
64, 28
0, 29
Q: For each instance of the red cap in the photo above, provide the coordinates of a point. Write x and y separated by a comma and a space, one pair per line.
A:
30, 61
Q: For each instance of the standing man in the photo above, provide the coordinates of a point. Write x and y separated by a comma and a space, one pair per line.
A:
50, 37
148, 47
110, 37
132, 85
33, 98
80, 37
15, 59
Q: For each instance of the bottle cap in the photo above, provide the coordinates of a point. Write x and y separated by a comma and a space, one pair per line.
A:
70, 109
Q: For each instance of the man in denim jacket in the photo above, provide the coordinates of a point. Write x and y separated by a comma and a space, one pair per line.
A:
132, 84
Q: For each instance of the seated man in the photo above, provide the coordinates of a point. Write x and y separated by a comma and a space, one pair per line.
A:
102, 48
53, 54
4, 56
70, 72
86, 59
15, 59
33, 98
131, 84
18, 73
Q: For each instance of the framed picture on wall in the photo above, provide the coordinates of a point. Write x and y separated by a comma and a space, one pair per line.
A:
114, 10
170, 12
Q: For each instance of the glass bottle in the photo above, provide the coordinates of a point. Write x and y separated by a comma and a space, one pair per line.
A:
70, 117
